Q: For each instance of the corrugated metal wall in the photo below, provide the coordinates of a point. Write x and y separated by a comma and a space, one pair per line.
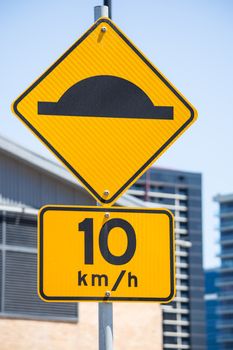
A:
23, 184
18, 273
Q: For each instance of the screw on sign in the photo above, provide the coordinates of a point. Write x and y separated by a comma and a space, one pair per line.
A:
125, 255
97, 104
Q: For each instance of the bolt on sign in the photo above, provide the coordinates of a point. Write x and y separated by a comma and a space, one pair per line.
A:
105, 254
103, 108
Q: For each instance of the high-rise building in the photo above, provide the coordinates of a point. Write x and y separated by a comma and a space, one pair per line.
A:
183, 318
225, 280
211, 303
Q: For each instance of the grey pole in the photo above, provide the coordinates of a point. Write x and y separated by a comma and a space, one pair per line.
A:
100, 11
109, 4
105, 326
105, 309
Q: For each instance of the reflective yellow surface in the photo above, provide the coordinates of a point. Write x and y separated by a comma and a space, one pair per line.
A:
105, 153
147, 276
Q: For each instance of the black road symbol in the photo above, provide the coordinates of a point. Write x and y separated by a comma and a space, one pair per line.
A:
105, 96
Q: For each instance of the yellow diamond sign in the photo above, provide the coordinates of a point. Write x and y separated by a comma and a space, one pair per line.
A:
105, 111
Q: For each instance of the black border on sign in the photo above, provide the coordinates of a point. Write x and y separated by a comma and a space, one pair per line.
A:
150, 160
99, 209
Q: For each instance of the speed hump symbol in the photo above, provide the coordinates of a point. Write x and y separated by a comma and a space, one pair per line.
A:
103, 108
111, 254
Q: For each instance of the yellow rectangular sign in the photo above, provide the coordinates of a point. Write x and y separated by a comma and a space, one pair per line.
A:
105, 254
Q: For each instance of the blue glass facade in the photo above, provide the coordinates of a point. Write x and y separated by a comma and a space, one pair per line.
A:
225, 280
211, 302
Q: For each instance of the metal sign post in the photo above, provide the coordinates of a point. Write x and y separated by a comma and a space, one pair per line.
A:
105, 326
105, 310
108, 3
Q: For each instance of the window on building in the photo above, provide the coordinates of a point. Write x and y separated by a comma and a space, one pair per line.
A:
184, 225
18, 273
183, 214
182, 190
183, 271
169, 340
184, 283
185, 341
225, 236
226, 302
166, 201
185, 306
227, 263
184, 318
137, 186
227, 247
169, 316
184, 294
138, 196
226, 222
226, 207
170, 328
181, 178
183, 203
182, 249
185, 329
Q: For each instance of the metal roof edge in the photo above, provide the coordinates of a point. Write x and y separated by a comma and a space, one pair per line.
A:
223, 197
46, 165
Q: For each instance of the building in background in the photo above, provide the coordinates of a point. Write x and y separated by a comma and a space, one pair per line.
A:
225, 280
211, 303
181, 192
28, 181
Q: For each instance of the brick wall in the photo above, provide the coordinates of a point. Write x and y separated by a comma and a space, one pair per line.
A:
137, 326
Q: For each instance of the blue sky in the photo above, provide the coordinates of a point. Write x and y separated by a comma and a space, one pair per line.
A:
189, 41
